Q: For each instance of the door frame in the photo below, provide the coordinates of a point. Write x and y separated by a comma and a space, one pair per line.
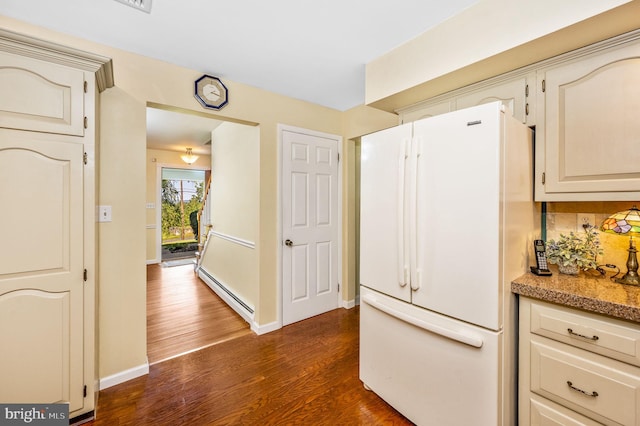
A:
281, 129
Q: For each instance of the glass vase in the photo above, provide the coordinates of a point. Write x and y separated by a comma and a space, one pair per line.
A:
570, 269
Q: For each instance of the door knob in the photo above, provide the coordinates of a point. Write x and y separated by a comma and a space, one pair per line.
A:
288, 243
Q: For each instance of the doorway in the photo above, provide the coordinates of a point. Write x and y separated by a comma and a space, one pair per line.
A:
170, 134
182, 193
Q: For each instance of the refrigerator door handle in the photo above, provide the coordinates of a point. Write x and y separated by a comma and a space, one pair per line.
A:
413, 214
470, 339
402, 267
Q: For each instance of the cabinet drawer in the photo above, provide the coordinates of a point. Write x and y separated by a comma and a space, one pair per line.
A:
600, 388
546, 413
613, 338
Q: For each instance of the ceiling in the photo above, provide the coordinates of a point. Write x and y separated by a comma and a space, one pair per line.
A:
174, 131
315, 51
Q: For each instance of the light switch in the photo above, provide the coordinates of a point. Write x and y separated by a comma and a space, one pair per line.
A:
104, 213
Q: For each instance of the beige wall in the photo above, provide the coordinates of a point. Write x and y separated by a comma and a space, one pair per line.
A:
140, 80
122, 183
155, 158
356, 122
490, 38
235, 203
562, 218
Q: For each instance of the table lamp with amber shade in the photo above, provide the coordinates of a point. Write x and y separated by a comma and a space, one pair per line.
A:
626, 223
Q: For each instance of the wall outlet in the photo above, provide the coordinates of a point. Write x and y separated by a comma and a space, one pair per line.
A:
586, 220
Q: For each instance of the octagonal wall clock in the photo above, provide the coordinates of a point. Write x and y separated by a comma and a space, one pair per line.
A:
211, 92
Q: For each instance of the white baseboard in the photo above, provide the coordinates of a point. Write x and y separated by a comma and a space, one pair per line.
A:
267, 328
123, 376
348, 304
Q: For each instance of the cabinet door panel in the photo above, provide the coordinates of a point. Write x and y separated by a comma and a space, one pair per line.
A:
427, 110
41, 275
40, 96
591, 128
512, 95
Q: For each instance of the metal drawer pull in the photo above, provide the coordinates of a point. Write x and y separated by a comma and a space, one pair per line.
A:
592, 394
594, 338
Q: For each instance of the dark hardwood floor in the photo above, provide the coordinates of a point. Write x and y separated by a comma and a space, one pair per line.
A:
303, 374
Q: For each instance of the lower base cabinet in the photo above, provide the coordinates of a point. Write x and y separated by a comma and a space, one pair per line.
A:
577, 368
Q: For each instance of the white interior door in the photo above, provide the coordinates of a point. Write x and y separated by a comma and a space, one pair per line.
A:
41, 269
310, 224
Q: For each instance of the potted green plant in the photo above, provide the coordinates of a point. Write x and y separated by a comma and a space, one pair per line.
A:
574, 252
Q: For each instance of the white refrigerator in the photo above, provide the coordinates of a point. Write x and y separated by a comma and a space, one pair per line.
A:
447, 219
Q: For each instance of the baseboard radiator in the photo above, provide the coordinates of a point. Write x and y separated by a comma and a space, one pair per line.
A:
236, 303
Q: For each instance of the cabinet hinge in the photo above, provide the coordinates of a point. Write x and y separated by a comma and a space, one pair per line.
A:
84, 158
86, 87
84, 391
86, 122
544, 177
544, 85
84, 275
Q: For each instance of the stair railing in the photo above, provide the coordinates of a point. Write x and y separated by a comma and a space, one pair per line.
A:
204, 224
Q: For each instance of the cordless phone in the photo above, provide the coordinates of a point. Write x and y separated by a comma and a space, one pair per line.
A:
541, 259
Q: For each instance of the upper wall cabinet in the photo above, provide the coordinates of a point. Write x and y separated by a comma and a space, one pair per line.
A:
43, 85
511, 90
588, 130
427, 109
40, 96
512, 93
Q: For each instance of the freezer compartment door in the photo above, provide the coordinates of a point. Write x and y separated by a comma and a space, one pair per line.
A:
432, 369
384, 221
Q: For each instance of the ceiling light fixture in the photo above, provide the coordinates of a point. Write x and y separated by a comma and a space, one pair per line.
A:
189, 157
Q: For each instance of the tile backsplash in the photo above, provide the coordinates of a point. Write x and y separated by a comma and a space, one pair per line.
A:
562, 217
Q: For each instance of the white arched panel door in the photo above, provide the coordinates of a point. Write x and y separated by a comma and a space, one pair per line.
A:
41, 271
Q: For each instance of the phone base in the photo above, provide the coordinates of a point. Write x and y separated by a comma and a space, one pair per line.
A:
541, 272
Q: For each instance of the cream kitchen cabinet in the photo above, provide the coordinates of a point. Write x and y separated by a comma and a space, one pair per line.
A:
427, 109
588, 131
513, 90
576, 367
48, 130
513, 93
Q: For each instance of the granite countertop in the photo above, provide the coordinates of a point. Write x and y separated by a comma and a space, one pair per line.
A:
586, 291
